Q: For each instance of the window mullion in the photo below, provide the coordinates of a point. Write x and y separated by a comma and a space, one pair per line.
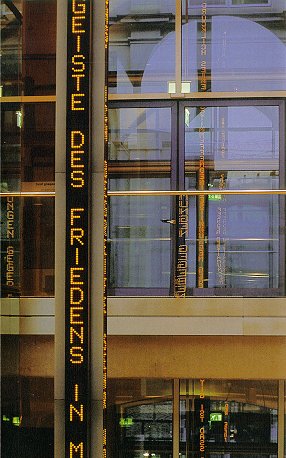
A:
178, 31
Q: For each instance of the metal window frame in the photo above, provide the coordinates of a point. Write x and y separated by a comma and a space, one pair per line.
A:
177, 180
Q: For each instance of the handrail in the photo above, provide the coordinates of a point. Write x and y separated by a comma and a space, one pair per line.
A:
157, 193
199, 193
28, 194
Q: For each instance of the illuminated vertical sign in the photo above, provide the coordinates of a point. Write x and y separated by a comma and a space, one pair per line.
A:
201, 421
10, 247
104, 387
77, 225
203, 87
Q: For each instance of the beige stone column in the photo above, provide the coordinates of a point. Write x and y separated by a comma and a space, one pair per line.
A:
60, 178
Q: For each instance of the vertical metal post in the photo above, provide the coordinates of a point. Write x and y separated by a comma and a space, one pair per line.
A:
176, 418
178, 32
281, 418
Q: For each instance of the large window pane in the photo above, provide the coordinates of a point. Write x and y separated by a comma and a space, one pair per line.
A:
235, 148
196, 245
140, 159
27, 396
28, 147
140, 134
139, 31
234, 45
139, 242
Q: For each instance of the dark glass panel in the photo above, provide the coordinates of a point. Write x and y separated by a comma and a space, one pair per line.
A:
28, 31
28, 147
229, 418
38, 247
27, 401
140, 418
38, 147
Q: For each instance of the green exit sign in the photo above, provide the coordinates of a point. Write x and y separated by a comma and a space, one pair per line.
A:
125, 422
214, 196
215, 416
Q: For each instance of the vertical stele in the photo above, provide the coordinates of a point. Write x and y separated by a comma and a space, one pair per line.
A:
104, 405
77, 228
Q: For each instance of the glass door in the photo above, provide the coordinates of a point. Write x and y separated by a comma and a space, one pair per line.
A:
142, 157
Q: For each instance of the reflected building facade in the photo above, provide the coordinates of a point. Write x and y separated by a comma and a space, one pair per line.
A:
195, 242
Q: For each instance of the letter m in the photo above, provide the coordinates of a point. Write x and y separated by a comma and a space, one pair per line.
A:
75, 449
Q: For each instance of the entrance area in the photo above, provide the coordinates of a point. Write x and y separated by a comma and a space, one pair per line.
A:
199, 418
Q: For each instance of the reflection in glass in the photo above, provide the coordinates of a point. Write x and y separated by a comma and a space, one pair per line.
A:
27, 401
139, 240
139, 32
28, 60
234, 138
140, 134
235, 148
229, 418
244, 239
140, 418
234, 45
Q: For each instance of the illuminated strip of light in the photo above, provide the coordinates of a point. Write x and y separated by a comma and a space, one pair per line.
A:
105, 205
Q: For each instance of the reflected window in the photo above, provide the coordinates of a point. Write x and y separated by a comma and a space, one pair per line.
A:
137, 29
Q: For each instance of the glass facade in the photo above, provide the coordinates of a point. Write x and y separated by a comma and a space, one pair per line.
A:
231, 46
196, 207
196, 211
225, 46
